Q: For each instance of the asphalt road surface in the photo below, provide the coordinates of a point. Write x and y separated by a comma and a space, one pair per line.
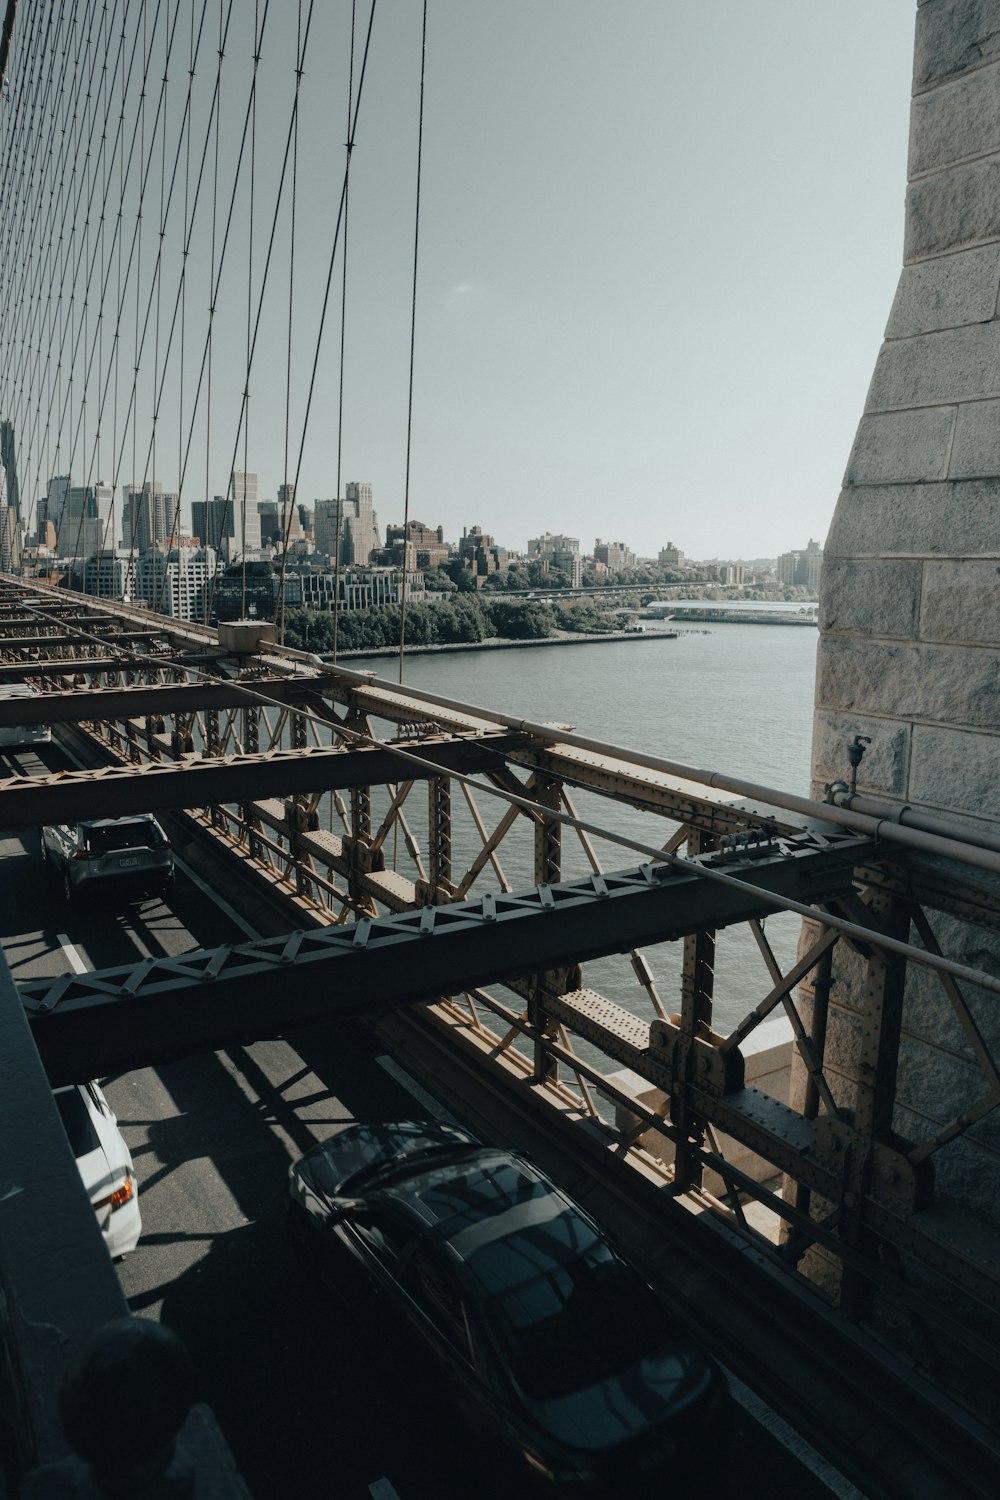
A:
310, 1401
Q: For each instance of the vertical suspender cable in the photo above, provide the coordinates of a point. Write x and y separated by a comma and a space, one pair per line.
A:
289, 501
413, 333
343, 328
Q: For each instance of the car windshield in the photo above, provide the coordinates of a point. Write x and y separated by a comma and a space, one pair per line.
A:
77, 1123
572, 1323
109, 837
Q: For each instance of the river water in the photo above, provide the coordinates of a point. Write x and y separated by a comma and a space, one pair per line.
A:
734, 698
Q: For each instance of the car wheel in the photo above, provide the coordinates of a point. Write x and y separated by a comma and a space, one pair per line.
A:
67, 887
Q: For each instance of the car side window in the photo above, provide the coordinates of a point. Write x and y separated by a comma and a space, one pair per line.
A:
382, 1236
439, 1296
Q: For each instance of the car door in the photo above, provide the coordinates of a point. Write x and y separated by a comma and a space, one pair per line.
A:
437, 1309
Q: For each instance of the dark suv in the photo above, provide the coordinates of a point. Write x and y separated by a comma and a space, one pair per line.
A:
132, 853
552, 1341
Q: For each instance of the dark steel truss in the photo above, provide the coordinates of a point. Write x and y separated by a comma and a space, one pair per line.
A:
258, 750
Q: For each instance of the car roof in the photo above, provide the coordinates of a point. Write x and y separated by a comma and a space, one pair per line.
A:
498, 1214
112, 822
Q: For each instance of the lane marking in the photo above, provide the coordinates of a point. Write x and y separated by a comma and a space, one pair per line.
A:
381, 1489
433, 1107
73, 958
219, 901
797, 1445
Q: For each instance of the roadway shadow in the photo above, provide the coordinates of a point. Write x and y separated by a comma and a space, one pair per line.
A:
344, 1413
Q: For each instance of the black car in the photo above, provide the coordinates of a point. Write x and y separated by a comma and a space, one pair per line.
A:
552, 1341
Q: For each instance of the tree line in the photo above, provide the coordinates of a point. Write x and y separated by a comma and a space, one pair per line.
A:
463, 618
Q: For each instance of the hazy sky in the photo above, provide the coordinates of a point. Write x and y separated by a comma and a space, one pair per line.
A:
658, 246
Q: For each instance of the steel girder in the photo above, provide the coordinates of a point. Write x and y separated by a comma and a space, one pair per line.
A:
70, 796
128, 1017
79, 705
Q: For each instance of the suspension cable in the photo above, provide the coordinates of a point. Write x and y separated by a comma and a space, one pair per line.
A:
413, 335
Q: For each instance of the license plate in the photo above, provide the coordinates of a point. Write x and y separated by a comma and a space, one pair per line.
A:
127, 864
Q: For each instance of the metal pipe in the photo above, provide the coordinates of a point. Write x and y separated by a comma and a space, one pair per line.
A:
902, 813
950, 844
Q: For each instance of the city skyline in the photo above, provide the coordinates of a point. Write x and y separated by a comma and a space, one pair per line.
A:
676, 316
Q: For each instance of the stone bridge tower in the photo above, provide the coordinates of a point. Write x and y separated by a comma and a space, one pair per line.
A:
909, 650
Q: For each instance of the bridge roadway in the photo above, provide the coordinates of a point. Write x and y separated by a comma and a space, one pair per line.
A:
307, 1401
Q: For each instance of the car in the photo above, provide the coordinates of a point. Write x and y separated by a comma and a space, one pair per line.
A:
105, 1163
551, 1340
23, 734
131, 852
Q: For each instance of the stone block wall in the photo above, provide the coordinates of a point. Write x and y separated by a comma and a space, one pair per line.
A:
909, 649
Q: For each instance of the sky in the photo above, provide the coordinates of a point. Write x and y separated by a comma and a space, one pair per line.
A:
658, 245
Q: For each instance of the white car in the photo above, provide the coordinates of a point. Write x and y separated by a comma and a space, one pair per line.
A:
104, 1162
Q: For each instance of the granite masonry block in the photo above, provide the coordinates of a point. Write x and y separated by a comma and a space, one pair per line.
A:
961, 602
843, 1043
885, 766
975, 451
953, 36
965, 1170
945, 293
935, 1081
954, 685
873, 598
902, 447
952, 210
929, 1013
934, 369
954, 768
953, 519
955, 123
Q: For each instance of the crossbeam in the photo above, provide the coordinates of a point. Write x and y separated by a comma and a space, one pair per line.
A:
80, 705
132, 1016
113, 791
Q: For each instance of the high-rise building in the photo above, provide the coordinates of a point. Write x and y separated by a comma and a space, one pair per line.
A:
111, 573
614, 555
150, 517
8, 458
801, 569
176, 582
353, 521
245, 535
670, 557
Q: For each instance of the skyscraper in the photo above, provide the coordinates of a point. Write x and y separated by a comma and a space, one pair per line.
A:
246, 518
358, 528
9, 460
150, 518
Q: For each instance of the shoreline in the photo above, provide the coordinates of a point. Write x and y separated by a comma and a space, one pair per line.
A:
502, 643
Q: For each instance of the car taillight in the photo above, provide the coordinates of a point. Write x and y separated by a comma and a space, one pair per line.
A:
83, 854
120, 1196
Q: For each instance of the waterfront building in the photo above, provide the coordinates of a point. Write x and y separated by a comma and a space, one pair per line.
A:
556, 551
801, 569
429, 548
352, 521
358, 588
615, 556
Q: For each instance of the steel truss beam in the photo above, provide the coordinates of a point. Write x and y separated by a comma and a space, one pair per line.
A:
80, 705
70, 796
129, 1017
